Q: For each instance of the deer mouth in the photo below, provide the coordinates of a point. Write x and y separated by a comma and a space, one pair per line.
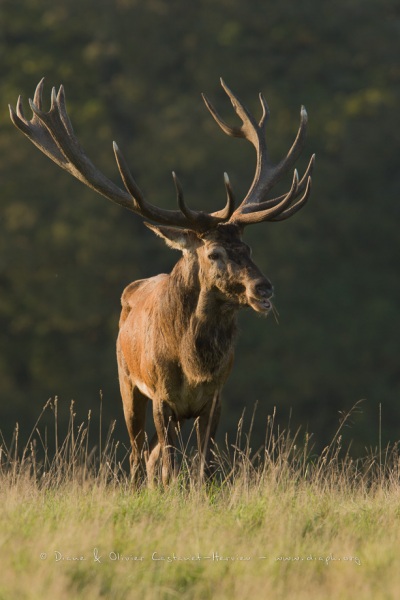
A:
260, 305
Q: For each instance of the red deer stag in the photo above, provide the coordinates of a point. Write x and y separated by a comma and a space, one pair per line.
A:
176, 340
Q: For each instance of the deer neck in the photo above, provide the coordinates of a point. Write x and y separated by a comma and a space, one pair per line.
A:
201, 303
212, 310
205, 334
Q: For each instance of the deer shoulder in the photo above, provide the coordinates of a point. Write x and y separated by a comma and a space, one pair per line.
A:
135, 292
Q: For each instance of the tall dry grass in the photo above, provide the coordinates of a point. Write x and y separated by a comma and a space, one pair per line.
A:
279, 522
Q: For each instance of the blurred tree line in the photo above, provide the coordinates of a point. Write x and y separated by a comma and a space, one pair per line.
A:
133, 72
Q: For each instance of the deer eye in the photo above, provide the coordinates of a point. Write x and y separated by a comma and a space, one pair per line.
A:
214, 255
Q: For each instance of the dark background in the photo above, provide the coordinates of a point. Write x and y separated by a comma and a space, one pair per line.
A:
133, 72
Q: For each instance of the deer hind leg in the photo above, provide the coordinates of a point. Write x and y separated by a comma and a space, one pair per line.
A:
207, 427
134, 405
166, 427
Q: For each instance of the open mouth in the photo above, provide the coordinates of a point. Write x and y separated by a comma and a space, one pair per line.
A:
261, 305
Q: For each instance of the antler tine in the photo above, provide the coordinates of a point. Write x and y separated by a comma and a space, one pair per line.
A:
127, 179
53, 134
191, 215
20, 109
295, 207
18, 117
294, 151
230, 205
231, 131
266, 111
38, 96
62, 107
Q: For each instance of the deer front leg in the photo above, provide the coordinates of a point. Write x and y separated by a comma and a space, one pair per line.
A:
166, 425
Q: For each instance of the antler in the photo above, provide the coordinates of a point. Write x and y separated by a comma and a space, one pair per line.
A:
255, 208
53, 134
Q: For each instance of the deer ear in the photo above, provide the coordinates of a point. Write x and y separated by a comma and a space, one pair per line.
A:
179, 239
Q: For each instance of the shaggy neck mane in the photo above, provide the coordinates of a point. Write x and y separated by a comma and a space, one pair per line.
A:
204, 326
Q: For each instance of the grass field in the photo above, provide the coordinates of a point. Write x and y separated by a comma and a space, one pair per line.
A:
283, 524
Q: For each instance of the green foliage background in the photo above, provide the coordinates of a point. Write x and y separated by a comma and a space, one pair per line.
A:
133, 71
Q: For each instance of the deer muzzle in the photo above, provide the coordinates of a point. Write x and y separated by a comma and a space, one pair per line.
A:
259, 295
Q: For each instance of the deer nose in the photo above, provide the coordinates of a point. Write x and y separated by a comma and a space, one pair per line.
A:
263, 288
